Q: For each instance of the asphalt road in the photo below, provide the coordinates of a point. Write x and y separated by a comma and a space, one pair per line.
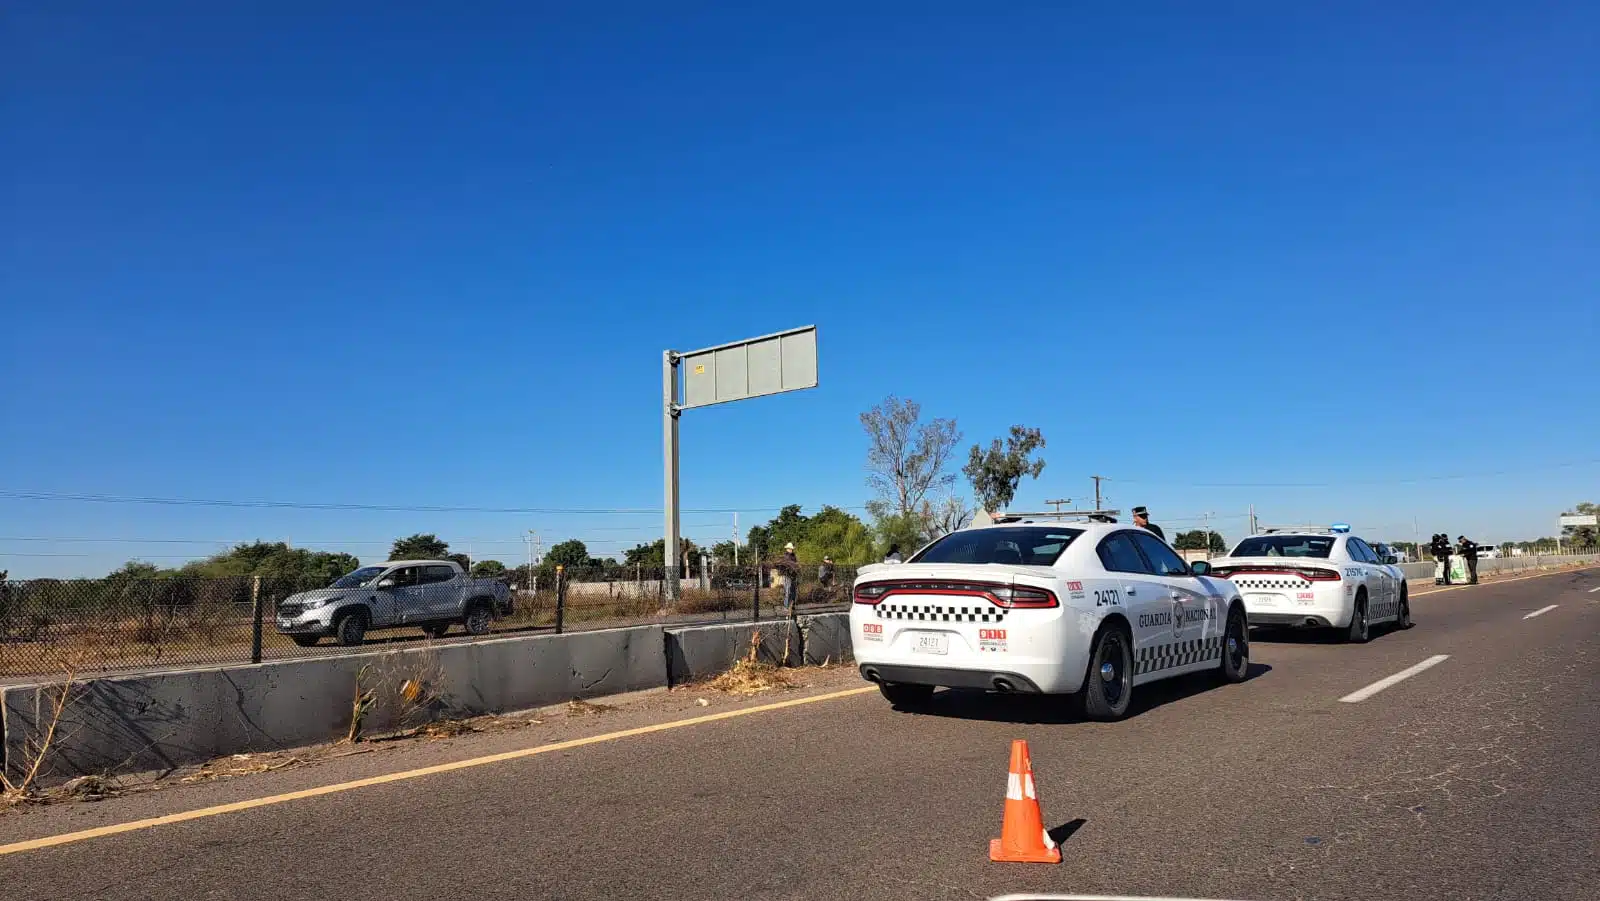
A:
1477, 778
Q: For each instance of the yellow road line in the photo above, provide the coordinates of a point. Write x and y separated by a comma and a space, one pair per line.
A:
1553, 572
236, 806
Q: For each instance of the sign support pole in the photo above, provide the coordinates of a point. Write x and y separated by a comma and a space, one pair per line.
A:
669, 446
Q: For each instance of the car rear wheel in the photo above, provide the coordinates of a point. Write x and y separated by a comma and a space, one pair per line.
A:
1108, 686
1403, 616
479, 619
1359, 630
904, 695
351, 629
1235, 647
305, 641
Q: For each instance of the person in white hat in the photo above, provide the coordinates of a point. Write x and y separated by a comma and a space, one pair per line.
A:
789, 566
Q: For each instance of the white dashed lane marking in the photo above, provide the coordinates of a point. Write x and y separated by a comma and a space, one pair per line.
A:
1541, 610
1358, 696
1593, 590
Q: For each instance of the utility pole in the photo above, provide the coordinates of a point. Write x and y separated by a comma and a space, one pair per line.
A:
735, 539
529, 538
1252, 519
1065, 500
1097, 491
1205, 524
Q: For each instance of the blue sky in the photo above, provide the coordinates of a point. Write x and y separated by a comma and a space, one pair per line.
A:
431, 255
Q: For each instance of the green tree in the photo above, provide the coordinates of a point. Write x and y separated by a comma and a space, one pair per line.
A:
571, 554
655, 553
724, 552
908, 532
906, 457
835, 533
996, 472
1580, 536
419, 547
1200, 540
489, 569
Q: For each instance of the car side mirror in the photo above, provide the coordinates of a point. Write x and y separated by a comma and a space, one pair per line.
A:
1391, 560
387, 582
1200, 568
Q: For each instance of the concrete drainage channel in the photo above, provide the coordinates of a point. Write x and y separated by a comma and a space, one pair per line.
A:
157, 721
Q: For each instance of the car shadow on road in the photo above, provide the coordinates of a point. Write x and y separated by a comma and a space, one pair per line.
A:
1058, 709
1314, 636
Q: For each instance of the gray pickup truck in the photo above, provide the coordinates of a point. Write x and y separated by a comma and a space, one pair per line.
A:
430, 594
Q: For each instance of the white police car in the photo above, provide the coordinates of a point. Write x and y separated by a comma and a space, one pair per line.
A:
1318, 579
1091, 609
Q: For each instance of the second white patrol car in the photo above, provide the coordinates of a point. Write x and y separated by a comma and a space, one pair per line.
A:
1089, 609
1318, 579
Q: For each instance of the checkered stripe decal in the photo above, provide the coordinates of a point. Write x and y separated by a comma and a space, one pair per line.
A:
1387, 608
1177, 653
1271, 583
934, 613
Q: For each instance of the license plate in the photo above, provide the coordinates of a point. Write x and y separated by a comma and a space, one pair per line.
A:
931, 644
1263, 600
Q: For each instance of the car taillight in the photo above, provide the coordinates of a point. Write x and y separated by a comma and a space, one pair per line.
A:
870, 593
1319, 575
1020, 597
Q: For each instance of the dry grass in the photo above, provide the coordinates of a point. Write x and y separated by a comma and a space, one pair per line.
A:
580, 707
751, 676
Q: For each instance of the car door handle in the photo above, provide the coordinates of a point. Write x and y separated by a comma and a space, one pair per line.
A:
1131, 590
1176, 596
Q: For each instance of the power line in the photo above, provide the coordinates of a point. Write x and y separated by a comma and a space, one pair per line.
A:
1349, 482
392, 508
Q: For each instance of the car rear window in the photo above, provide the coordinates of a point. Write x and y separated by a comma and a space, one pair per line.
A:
1285, 546
1017, 546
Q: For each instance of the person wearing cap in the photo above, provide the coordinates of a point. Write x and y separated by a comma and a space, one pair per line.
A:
1141, 518
789, 567
1469, 552
1440, 546
825, 573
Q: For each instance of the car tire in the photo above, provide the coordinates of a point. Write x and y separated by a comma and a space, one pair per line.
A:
351, 628
1403, 614
479, 618
305, 641
906, 696
1235, 666
1108, 685
1360, 630
436, 630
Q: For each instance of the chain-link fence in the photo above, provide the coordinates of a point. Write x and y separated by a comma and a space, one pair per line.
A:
49, 627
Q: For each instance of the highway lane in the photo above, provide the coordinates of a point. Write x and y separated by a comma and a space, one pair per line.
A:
1476, 778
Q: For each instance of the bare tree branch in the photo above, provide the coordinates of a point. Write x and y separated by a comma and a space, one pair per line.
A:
906, 457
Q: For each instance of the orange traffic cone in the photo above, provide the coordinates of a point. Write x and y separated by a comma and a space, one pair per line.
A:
1023, 838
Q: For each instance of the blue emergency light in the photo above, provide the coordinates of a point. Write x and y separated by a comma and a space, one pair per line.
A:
1339, 528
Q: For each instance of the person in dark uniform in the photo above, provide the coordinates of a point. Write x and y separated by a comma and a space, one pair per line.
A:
1441, 555
1469, 550
1141, 518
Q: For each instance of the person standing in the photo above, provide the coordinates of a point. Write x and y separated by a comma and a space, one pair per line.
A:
1141, 518
789, 566
1469, 551
825, 574
1441, 559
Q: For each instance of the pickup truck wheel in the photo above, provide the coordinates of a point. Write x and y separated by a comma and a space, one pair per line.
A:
436, 630
351, 628
479, 619
305, 641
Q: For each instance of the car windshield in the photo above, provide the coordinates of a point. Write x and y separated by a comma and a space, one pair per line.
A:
1018, 546
1285, 546
358, 578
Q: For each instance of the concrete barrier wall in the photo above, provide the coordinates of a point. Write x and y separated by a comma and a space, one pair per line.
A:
700, 652
1418, 572
160, 720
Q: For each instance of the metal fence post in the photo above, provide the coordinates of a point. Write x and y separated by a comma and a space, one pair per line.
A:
255, 614
755, 595
561, 597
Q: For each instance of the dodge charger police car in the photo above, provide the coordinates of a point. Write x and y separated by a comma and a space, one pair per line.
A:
1089, 609
1316, 579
